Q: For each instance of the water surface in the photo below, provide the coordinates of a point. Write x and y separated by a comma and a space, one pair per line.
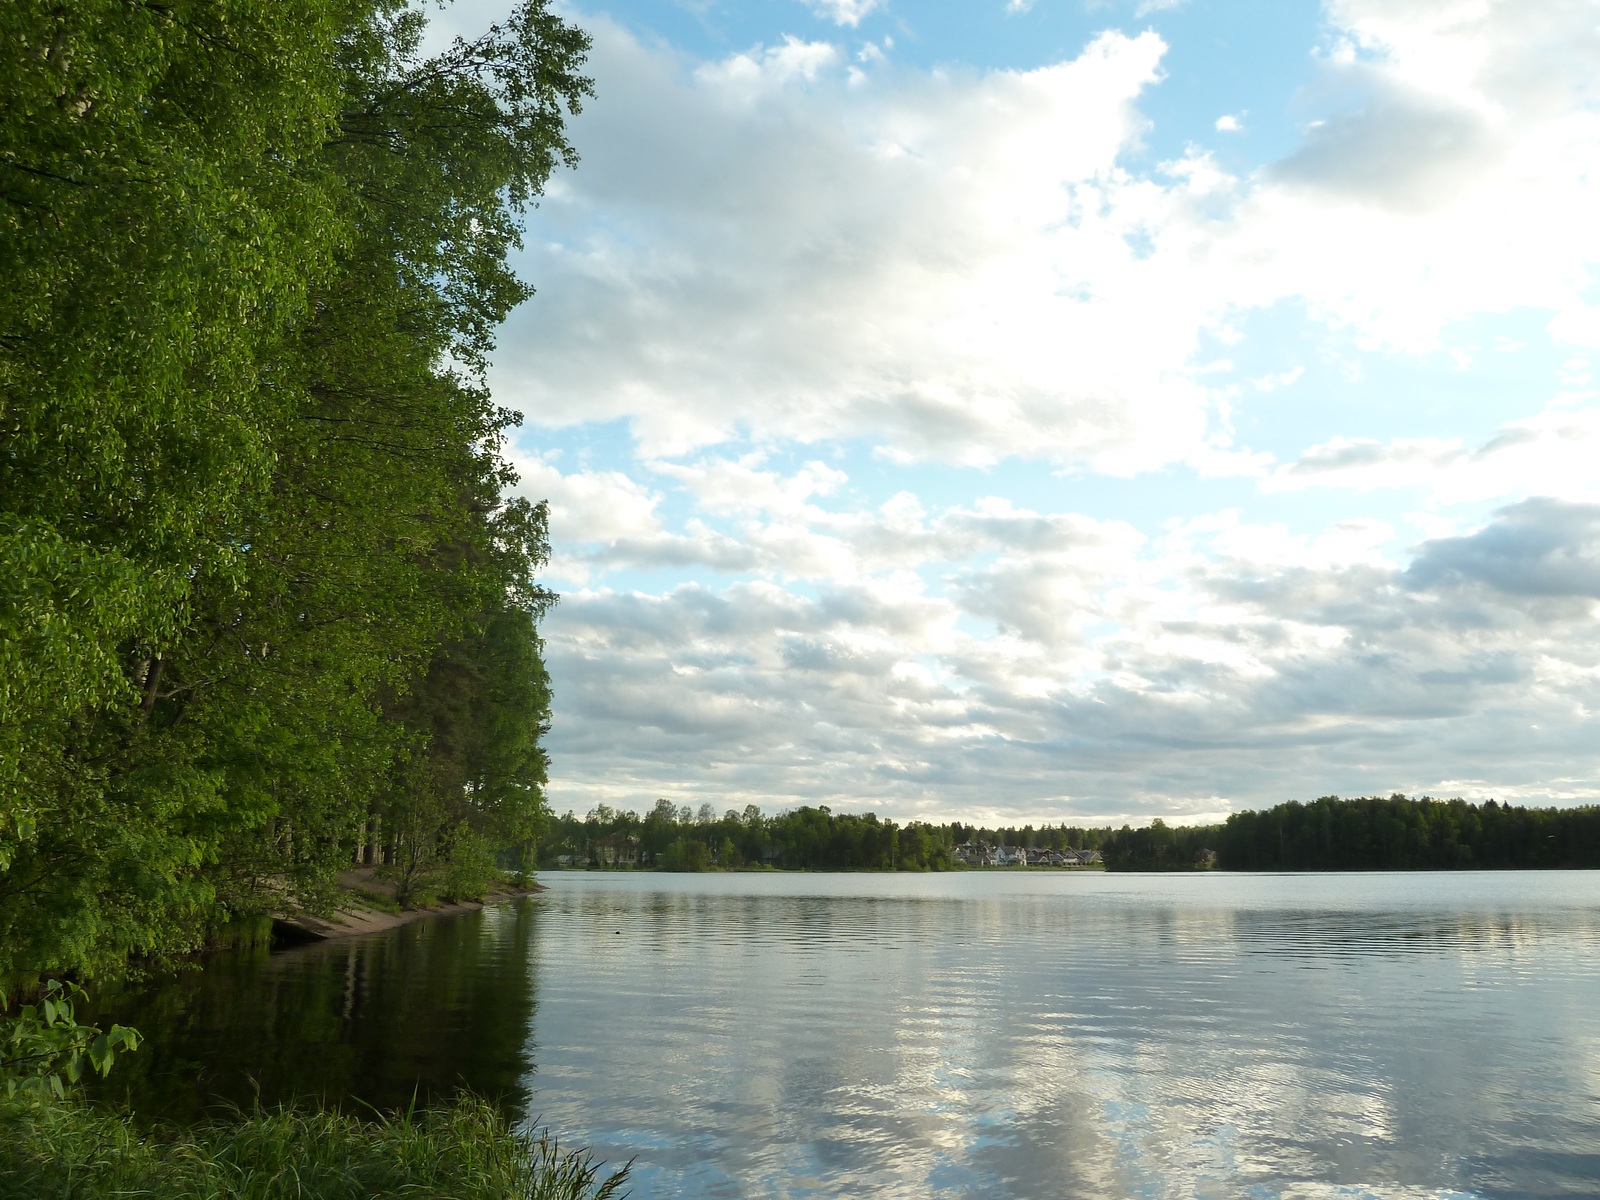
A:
993, 1034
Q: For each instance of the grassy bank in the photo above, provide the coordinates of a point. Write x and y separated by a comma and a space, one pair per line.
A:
466, 1151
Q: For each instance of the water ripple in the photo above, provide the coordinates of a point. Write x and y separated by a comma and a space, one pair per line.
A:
841, 1036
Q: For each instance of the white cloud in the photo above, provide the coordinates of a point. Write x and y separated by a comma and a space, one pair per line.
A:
787, 246
831, 262
767, 69
844, 12
739, 486
1551, 454
1229, 123
958, 264
1231, 660
604, 505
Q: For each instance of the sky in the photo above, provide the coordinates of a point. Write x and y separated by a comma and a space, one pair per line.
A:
1076, 410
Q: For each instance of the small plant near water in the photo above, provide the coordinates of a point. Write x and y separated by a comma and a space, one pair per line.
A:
44, 1050
465, 1151
372, 898
56, 1147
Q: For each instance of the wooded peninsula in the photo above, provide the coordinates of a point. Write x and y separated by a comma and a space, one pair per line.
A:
266, 592
267, 598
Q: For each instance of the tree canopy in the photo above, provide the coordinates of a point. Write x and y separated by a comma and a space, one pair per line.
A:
264, 592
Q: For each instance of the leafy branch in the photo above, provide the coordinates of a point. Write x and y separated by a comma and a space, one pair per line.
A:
44, 1049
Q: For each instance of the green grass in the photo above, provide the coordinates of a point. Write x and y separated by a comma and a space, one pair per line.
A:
369, 898
464, 1151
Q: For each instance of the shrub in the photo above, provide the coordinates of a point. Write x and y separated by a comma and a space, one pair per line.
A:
469, 869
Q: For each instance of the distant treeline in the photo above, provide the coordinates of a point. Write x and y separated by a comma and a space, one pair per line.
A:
1330, 834
805, 838
1374, 834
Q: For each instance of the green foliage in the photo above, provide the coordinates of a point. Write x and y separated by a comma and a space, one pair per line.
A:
248, 932
923, 847
1372, 833
686, 855
466, 1151
1397, 833
158, 231
806, 838
469, 866
44, 1050
1330, 834
1160, 847
260, 581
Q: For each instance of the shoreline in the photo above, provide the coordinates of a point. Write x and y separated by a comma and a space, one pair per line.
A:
357, 919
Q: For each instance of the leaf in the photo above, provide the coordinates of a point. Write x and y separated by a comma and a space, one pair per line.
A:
101, 1053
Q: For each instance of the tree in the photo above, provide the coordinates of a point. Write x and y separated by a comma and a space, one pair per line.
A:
686, 854
259, 580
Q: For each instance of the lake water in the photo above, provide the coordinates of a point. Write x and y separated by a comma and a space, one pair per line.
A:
983, 1034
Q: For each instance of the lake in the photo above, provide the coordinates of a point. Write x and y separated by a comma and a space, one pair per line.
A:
984, 1034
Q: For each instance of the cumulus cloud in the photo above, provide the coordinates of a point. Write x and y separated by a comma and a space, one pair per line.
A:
792, 245
843, 12
1552, 453
1409, 151
1055, 665
960, 264
782, 249
1540, 547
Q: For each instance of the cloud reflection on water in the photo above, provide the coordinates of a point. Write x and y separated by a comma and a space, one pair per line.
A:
946, 1037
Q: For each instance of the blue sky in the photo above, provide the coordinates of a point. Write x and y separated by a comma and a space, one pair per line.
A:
1069, 411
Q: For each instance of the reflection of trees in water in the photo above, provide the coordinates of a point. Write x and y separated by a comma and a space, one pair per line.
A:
415, 1012
669, 921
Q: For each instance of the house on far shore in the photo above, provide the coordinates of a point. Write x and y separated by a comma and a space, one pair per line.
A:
981, 854
974, 854
618, 850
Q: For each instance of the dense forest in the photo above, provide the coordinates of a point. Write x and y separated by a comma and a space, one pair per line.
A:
1372, 833
267, 605
812, 838
1396, 833
1330, 834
